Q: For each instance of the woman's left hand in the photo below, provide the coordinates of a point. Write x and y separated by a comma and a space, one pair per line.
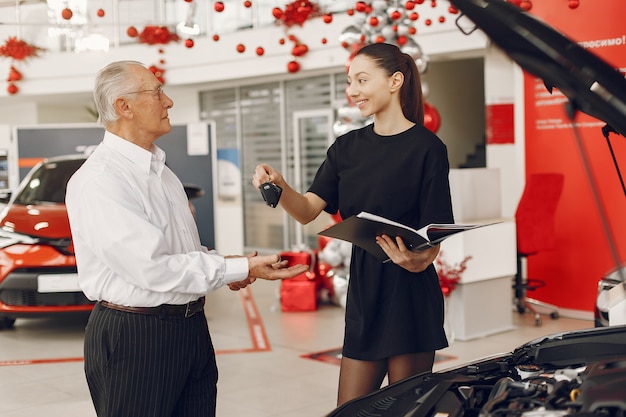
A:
400, 255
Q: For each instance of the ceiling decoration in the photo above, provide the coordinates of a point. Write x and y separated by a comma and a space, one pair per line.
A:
78, 25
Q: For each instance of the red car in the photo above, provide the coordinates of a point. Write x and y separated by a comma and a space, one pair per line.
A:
37, 265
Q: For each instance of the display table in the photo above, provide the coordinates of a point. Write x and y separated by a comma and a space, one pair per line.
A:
482, 303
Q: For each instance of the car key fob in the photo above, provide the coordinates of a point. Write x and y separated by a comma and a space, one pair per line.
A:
271, 193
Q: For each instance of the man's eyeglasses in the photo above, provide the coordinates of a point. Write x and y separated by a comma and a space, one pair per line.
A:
157, 92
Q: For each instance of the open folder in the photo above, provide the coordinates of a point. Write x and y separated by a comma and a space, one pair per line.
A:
361, 230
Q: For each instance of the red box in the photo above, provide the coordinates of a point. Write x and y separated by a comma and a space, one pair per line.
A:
297, 258
298, 295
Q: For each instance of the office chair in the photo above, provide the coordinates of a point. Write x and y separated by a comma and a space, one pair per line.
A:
534, 219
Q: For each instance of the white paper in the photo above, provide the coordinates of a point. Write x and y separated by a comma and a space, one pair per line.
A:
198, 139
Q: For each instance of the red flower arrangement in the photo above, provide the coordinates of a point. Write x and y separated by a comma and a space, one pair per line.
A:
296, 13
153, 34
157, 34
449, 275
17, 50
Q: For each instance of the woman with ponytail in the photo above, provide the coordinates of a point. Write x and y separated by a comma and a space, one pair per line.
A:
398, 169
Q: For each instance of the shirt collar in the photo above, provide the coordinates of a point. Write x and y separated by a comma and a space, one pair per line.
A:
138, 155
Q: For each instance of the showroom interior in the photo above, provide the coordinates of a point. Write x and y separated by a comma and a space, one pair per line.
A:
239, 100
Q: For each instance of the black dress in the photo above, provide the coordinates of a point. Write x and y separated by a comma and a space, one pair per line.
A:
404, 177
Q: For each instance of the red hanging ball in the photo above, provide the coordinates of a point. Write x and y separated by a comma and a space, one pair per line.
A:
216, 37
14, 74
277, 13
67, 13
293, 67
573, 4
100, 13
409, 5
324, 41
132, 32
189, 43
260, 51
241, 48
350, 12
360, 6
12, 89
328, 18
219, 7
247, 4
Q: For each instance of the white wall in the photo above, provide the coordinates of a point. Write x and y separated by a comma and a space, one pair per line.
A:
56, 88
500, 88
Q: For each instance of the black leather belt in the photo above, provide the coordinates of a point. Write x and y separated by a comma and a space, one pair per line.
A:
185, 310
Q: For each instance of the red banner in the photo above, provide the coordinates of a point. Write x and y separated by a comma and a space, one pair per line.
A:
585, 246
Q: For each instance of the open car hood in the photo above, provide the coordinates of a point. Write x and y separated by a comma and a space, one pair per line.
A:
579, 373
592, 85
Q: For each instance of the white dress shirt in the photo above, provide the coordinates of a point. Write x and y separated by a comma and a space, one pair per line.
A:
135, 239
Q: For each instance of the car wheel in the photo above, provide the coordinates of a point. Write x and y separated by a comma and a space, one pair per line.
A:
6, 322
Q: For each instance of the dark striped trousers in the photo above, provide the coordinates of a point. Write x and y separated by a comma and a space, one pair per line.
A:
140, 365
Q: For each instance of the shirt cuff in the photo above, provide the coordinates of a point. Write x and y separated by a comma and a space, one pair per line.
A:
236, 269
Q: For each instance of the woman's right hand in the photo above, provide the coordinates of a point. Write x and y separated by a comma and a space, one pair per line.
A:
265, 173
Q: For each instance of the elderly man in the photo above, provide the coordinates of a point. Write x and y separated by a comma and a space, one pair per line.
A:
148, 351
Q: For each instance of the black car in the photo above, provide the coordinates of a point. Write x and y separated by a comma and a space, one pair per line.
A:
579, 373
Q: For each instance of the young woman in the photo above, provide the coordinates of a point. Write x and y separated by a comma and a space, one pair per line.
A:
398, 169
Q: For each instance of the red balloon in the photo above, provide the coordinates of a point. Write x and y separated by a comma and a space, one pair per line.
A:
432, 119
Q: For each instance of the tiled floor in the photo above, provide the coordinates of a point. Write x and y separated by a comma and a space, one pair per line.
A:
262, 352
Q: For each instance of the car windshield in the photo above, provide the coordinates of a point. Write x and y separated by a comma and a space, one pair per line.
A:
47, 184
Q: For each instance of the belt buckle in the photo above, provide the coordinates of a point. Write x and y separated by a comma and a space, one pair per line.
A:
188, 312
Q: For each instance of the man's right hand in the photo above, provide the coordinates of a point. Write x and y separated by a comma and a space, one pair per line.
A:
271, 268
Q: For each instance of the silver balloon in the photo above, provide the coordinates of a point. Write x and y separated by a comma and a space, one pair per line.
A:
350, 36
350, 113
412, 48
380, 5
422, 63
425, 89
339, 127
359, 19
387, 32
403, 29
